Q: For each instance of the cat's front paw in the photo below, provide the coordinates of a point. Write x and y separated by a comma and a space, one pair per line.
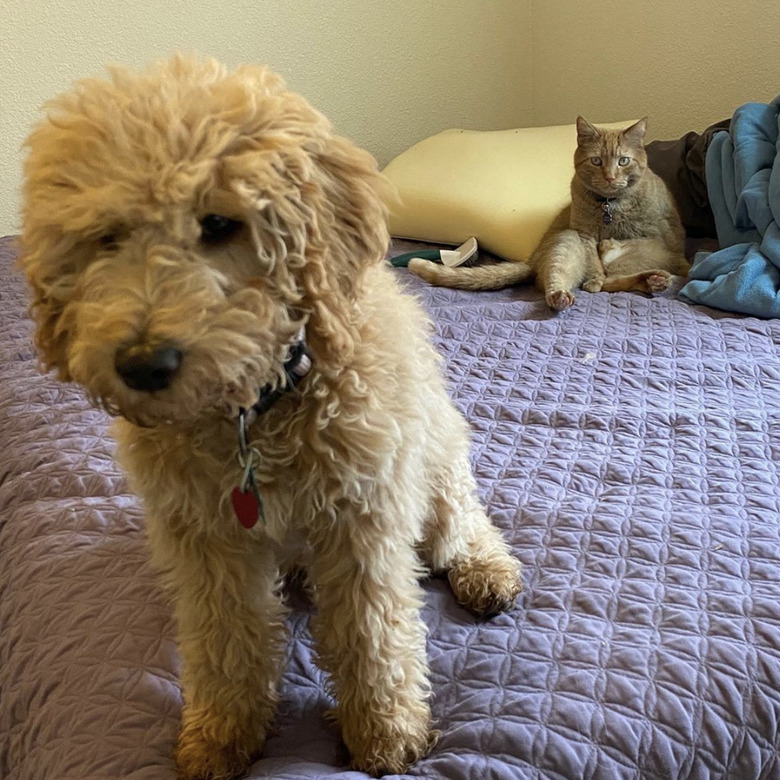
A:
607, 244
560, 299
593, 285
610, 249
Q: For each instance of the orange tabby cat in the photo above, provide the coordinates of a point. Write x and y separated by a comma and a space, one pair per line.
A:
620, 232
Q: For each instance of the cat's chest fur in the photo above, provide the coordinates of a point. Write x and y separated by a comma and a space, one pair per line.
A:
609, 219
636, 214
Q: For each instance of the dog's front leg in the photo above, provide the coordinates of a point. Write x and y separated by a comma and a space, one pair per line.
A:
231, 640
371, 639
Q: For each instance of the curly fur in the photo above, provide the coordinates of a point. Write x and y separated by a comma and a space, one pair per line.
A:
364, 469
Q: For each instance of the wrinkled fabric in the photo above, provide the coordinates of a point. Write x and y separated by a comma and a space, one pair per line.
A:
681, 165
743, 183
627, 448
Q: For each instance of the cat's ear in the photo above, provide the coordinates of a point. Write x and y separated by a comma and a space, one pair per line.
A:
635, 134
585, 130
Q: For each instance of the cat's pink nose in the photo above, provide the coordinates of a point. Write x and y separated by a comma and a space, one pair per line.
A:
609, 179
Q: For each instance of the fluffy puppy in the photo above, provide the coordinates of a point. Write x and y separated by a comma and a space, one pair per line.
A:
199, 242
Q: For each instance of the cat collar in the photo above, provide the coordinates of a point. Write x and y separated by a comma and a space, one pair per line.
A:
606, 208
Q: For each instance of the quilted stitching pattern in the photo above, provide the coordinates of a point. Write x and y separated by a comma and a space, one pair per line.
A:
629, 449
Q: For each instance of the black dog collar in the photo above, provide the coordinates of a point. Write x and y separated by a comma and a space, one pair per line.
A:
246, 498
297, 365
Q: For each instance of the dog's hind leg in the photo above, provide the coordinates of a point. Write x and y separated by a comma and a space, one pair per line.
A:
461, 541
231, 640
370, 636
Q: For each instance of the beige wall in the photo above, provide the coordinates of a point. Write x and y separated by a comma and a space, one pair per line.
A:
387, 72
390, 72
686, 63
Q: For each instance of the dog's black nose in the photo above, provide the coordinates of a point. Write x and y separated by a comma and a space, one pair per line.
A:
147, 368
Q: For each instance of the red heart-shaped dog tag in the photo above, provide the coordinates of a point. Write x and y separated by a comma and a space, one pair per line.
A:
246, 506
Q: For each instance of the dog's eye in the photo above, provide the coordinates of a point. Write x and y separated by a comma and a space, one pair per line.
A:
216, 228
108, 241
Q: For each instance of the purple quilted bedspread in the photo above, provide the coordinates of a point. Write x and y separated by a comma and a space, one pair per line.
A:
629, 449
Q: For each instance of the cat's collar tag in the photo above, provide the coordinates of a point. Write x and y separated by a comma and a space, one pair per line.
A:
606, 207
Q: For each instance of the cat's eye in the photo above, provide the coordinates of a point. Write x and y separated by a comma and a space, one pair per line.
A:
596, 160
215, 228
623, 161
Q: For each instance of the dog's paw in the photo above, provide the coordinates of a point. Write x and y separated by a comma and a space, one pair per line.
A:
486, 585
560, 299
387, 746
201, 757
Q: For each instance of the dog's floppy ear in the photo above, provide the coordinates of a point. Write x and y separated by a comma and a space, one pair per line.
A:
349, 235
50, 254
319, 221
46, 310
49, 338
354, 189
316, 205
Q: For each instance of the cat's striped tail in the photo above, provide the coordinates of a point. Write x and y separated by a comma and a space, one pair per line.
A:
480, 277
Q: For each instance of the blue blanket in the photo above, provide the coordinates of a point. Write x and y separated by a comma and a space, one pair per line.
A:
743, 184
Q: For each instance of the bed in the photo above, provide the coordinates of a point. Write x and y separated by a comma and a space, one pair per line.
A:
629, 449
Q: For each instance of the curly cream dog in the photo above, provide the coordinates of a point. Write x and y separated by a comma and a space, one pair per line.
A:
184, 230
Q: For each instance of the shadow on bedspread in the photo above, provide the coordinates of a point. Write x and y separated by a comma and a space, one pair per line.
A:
628, 448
